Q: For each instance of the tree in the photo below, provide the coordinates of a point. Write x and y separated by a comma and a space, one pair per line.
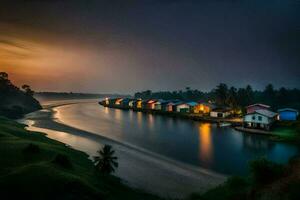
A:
221, 94
27, 90
269, 95
106, 162
3, 76
232, 98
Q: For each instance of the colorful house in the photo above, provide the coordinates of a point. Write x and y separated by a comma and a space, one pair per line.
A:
118, 101
137, 104
169, 107
192, 106
159, 104
220, 112
262, 119
204, 108
106, 101
287, 114
131, 103
151, 104
182, 107
258, 106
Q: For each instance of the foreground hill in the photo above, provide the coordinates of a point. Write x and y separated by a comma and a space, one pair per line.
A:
15, 102
36, 167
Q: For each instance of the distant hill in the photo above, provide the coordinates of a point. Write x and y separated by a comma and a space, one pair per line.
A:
15, 102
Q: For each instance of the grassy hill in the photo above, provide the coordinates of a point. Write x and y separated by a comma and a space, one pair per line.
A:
36, 167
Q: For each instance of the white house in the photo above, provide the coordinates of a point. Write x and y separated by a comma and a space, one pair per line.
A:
158, 104
182, 107
220, 112
260, 119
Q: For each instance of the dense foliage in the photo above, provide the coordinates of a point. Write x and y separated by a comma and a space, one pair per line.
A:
14, 102
223, 95
267, 180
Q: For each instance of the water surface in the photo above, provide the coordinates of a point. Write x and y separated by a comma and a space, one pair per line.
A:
220, 149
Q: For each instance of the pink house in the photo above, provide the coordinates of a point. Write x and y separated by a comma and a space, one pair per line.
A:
258, 106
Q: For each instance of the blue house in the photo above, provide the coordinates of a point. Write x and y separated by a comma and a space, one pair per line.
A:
287, 114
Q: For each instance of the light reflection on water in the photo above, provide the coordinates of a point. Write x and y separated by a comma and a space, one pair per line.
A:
221, 149
205, 142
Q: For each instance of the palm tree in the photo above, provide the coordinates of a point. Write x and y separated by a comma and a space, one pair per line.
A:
106, 162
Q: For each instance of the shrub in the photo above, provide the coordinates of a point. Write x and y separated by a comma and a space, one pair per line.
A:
236, 182
264, 171
293, 190
63, 161
31, 149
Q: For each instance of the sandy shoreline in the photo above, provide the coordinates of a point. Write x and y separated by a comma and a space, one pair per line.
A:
138, 167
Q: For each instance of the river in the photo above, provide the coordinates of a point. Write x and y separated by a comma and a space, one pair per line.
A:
167, 156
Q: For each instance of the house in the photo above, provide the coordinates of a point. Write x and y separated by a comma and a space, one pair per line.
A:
204, 108
118, 101
260, 119
258, 106
287, 114
131, 103
192, 106
181, 107
137, 104
220, 112
159, 104
151, 104
106, 101
169, 107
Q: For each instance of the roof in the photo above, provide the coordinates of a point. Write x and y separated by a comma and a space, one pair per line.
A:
179, 103
152, 101
263, 112
287, 109
192, 103
258, 104
211, 105
161, 101
221, 109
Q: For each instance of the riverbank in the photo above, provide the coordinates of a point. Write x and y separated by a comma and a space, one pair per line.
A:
29, 168
285, 131
138, 167
234, 121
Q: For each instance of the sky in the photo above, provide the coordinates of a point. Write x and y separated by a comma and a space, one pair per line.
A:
124, 46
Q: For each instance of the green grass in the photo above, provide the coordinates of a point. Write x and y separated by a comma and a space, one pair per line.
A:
32, 173
288, 131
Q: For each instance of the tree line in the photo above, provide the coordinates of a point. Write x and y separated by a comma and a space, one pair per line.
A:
230, 96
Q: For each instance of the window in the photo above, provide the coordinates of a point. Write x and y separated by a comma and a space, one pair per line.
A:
253, 117
259, 118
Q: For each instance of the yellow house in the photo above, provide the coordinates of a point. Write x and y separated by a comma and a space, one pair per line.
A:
203, 108
137, 104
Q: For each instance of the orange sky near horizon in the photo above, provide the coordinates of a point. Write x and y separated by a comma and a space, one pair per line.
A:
44, 63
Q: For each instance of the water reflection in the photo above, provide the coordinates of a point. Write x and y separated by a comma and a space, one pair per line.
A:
255, 143
205, 142
202, 144
106, 110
